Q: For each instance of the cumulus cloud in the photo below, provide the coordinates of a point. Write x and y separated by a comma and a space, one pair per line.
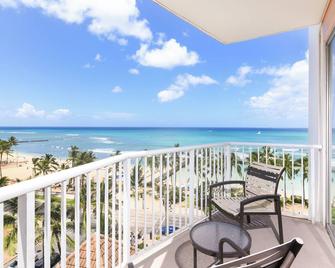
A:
88, 66
182, 84
112, 19
241, 77
28, 110
98, 57
134, 71
117, 89
169, 54
61, 112
287, 96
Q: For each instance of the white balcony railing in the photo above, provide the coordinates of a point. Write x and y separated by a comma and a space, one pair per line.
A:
134, 201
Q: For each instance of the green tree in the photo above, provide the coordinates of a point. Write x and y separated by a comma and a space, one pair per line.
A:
44, 165
55, 223
73, 154
4, 181
6, 149
85, 158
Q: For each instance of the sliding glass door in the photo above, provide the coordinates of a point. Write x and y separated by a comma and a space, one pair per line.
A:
331, 81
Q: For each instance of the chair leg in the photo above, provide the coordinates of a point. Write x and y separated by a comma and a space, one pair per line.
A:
248, 219
280, 227
241, 220
280, 224
210, 210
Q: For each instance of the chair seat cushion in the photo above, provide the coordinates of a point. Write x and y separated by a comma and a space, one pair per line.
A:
231, 205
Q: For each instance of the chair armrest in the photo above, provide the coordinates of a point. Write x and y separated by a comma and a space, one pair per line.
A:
242, 252
275, 197
214, 185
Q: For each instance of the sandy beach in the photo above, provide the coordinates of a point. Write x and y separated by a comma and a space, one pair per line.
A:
20, 166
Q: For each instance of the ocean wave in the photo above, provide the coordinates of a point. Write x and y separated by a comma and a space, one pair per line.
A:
72, 135
103, 150
21, 132
104, 140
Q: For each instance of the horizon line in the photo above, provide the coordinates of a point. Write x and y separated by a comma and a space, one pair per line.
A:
205, 127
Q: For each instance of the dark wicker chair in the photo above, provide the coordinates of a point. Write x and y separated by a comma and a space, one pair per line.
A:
259, 195
279, 256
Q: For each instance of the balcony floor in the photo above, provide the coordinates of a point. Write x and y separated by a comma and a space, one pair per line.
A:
317, 251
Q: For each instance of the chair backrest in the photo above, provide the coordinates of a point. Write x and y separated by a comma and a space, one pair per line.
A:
263, 179
279, 256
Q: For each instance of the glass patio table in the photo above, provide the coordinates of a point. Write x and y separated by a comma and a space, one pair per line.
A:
220, 240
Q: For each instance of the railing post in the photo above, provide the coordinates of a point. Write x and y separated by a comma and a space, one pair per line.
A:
227, 162
126, 212
311, 187
192, 179
1, 235
26, 230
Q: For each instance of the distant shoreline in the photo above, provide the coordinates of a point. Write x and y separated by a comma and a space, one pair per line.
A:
104, 141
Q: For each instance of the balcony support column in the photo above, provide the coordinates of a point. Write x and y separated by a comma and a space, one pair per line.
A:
318, 127
26, 230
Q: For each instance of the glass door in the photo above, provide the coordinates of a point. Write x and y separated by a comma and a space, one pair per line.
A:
331, 81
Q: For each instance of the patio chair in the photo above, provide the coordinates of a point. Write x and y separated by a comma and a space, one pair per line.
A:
259, 195
279, 256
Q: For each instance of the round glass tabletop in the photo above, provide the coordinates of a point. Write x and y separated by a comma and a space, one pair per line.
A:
206, 236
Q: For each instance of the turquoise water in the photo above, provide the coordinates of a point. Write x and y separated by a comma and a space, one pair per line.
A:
105, 141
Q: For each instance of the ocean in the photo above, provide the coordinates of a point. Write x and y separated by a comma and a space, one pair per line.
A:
103, 141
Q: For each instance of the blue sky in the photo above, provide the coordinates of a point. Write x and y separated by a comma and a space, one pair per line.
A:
103, 63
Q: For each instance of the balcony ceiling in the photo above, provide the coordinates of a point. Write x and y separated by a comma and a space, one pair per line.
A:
231, 21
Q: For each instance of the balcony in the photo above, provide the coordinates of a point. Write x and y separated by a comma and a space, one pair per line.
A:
142, 205
316, 252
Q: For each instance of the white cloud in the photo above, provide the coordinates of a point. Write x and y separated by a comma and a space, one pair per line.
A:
88, 66
240, 78
98, 57
117, 89
112, 19
185, 34
28, 110
134, 71
182, 84
287, 98
58, 114
122, 41
8, 3
168, 55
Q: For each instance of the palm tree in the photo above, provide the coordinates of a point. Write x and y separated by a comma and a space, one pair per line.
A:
13, 140
84, 158
4, 181
236, 163
304, 173
64, 166
73, 154
45, 164
55, 223
5, 148
10, 224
